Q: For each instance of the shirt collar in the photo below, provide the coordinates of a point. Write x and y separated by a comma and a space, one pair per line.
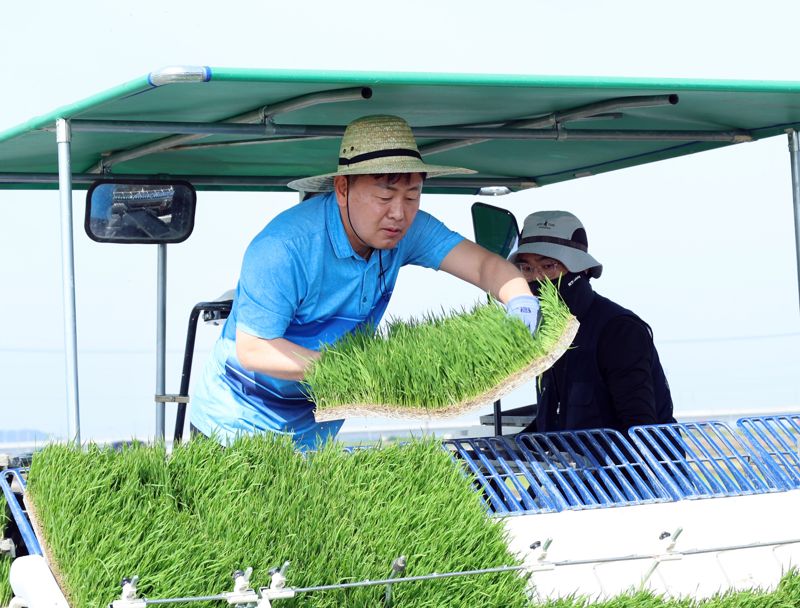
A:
333, 222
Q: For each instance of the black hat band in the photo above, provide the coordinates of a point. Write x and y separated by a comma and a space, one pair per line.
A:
556, 241
378, 154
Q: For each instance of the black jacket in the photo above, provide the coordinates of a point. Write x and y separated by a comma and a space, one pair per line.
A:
611, 376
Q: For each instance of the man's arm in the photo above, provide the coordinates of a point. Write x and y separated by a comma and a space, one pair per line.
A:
278, 357
484, 269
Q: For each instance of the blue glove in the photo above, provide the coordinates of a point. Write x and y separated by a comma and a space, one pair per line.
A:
525, 308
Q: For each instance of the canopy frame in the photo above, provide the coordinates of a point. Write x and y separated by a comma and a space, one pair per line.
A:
261, 115
271, 129
258, 127
245, 182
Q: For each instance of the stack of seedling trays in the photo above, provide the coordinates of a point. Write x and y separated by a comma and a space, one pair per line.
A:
183, 522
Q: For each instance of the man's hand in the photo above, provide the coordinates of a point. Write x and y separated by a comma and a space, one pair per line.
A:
527, 309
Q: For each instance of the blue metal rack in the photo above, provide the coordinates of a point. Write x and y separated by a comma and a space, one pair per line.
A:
571, 470
777, 440
506, 479
592, 468
703, 460
599, 468
7, 477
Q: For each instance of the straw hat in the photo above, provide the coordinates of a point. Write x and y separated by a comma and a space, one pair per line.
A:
561, 236
374, 145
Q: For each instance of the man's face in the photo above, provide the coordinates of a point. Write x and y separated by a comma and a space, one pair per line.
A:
380, 212
534, 267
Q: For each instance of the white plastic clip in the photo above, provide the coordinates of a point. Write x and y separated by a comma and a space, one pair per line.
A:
541, 548
669, 555
242, 594
540, 555
7, 546
278, 577
277, 587
128, 598
673, 538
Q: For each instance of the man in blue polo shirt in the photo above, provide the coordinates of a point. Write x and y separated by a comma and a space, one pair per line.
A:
326, 267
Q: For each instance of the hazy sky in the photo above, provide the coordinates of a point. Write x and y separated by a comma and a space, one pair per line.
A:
701, 247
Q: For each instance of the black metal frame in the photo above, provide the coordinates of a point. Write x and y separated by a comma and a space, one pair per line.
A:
217, 310
519, 417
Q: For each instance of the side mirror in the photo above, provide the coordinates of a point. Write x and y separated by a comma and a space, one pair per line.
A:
140, 211
496, 229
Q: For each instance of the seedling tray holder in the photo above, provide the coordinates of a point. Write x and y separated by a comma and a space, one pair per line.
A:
549, 472
777, 440
703, 460
18, 514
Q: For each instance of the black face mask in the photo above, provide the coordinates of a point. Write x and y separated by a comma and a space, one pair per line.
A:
573, 288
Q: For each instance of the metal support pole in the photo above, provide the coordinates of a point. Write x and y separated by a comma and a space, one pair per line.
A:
794, 154
498, 419
63, 139
161, 338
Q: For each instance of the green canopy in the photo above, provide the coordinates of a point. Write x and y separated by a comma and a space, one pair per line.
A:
244, 129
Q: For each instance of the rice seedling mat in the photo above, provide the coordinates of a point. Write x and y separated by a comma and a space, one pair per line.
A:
441, 366
30, 511
183, 522
5, 561
98, 539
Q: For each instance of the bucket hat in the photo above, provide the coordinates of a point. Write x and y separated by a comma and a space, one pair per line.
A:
376, 145
561, 236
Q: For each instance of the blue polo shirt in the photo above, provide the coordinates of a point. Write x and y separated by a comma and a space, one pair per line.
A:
301, 280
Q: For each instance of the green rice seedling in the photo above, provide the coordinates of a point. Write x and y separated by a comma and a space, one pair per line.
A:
786, 595
183, 523
439, 364
5, 562
5, 584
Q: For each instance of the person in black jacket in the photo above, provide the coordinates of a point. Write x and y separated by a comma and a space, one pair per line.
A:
611, 377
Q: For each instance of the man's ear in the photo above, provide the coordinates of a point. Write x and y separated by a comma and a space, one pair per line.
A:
340, 186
